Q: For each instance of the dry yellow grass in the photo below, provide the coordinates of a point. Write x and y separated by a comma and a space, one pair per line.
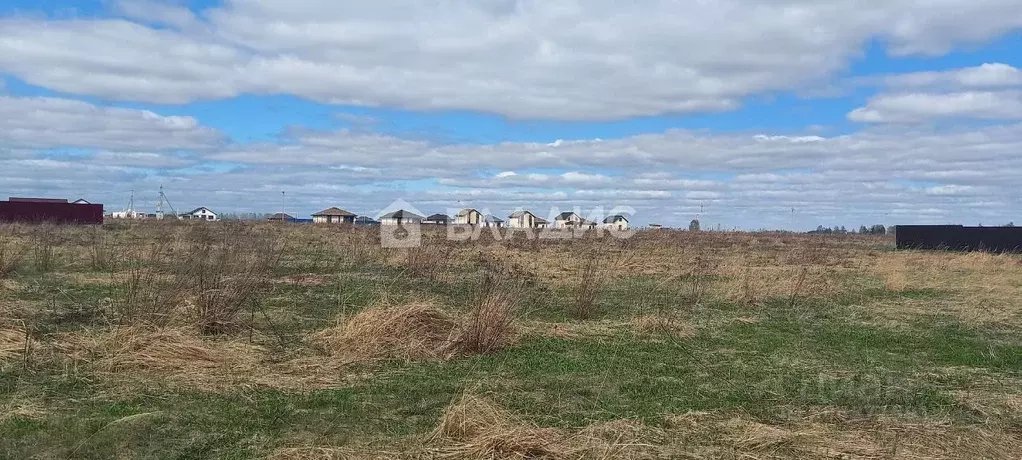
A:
476, 428
182, 356
664, 324
13, 342
831, 435
332, 453
415, 331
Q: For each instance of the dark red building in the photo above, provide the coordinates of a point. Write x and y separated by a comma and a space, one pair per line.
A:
52, 210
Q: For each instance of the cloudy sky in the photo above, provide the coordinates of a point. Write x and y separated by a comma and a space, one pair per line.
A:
747, 113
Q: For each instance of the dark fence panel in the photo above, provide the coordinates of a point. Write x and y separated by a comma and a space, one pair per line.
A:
60, 213
959, 238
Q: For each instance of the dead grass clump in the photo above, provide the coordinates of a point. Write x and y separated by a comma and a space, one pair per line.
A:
416, 331
476, 428
664, 324
170, 352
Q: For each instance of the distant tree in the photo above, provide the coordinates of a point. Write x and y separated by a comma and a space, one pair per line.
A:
877, 229
863, 230
843, 230
694, 225
1010, 224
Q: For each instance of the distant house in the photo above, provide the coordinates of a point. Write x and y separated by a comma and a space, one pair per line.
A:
280, 217
437, 219
333, 216
492, 221
540, 222
522, 219
200, 213
400, 217
572, 220
80, 201
366, 220
468, 217
616, 222
655, 226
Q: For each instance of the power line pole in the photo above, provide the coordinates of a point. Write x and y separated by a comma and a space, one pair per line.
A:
159, 205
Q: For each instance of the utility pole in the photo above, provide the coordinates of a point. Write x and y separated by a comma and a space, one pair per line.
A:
159, 205
283, 213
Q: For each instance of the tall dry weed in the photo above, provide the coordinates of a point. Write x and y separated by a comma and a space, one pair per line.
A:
224, 269
150, 296
490, 325
44, 244
102, 253
591, 276
11, 253
429, 260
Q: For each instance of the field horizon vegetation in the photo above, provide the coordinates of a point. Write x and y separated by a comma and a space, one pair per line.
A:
251, 340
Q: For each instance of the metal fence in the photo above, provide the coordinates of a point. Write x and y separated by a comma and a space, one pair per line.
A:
59, 213
959, 238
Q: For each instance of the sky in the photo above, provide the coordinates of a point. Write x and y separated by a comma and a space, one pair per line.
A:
778, 114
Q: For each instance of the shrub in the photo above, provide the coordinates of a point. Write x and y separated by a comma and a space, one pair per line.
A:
223, 269
149, 297
490, 325
587, 291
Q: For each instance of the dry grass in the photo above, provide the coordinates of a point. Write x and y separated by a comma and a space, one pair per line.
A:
14, 341
183, 357
163, 351
591, 276
413, 332
420, 331
669, 325
22, 408
831, 435
476, 428
224, 270
981, 288
331, 453
11, 253
429, 261
490, 325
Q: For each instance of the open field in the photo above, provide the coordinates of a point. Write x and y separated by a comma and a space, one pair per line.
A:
227, 340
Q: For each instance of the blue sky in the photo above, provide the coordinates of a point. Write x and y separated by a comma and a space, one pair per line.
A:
734, 113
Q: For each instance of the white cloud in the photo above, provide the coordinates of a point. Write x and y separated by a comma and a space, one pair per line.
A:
49, 123
523, 59
876, 176
989, 75
919, 107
